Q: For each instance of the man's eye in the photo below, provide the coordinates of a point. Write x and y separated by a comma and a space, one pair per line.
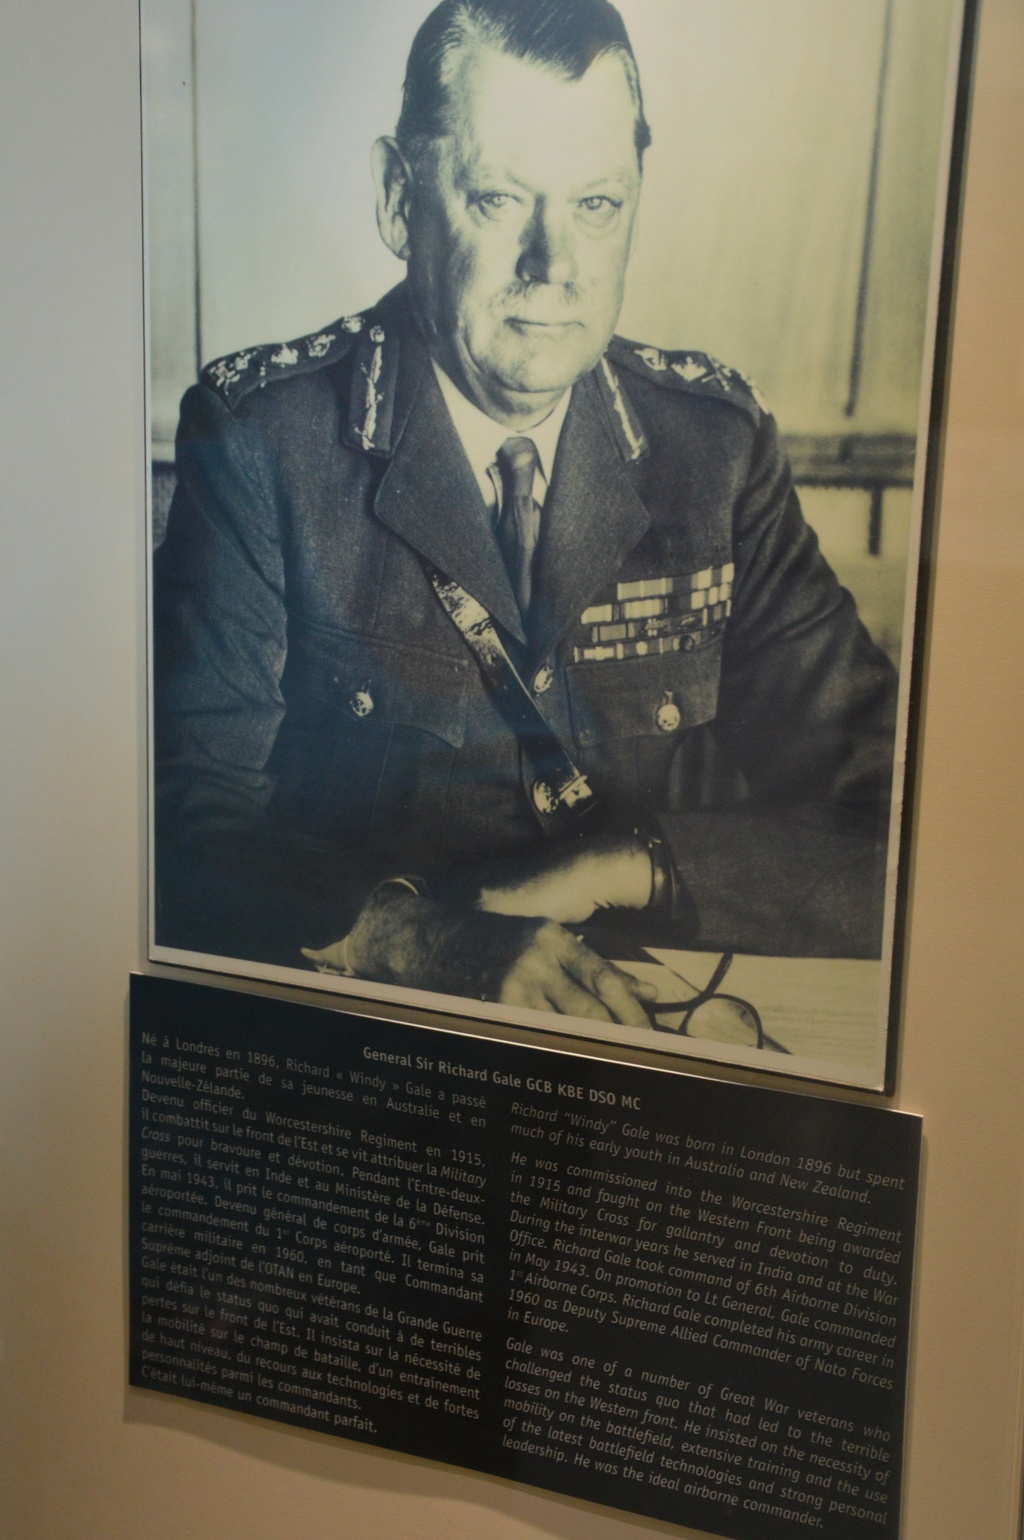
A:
494, 203
599, 208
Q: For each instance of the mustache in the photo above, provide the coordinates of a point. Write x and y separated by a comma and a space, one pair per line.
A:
528, 291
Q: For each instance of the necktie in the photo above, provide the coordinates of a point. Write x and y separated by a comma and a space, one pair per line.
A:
519, 520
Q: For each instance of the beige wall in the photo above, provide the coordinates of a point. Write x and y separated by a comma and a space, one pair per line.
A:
83, 1458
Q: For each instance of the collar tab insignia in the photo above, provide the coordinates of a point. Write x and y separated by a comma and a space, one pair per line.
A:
622, 419
374, 379
372, 397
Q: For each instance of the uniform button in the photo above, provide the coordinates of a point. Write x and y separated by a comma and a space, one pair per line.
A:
361, 703
543, 680
668, 716
544, 797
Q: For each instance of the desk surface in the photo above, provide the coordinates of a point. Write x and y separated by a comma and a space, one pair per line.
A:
824, 1009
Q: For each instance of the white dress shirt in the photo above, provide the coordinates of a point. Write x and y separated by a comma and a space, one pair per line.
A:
481, 438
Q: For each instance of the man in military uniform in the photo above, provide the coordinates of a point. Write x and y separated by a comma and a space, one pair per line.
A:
474, 621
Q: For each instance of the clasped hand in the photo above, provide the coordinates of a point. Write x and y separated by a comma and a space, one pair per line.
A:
509, 942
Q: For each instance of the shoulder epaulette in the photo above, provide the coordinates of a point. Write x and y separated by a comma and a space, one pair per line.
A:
237, 374
695, 372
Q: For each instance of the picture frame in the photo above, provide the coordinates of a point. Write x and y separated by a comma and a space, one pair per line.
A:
798, 221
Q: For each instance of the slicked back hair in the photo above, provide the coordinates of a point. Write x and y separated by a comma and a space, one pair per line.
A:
565, 36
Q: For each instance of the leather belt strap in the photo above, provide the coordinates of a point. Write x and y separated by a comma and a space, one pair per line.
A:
562, 797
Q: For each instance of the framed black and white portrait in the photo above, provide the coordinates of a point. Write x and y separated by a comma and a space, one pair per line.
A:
542, 426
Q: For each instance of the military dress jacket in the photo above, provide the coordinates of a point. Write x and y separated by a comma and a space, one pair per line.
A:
321, 723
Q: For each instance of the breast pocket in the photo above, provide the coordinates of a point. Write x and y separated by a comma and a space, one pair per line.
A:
652, 697
631, 716
371, 735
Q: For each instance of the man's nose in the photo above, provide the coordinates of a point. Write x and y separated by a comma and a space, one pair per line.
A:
549, 248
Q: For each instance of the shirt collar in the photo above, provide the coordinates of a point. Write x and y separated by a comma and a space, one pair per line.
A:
481, 437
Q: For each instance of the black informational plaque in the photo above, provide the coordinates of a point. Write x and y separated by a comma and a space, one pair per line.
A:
680, 1297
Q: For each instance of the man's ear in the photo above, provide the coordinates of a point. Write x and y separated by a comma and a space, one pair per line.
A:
393, 181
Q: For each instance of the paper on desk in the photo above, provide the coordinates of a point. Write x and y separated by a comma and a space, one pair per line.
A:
819, 1008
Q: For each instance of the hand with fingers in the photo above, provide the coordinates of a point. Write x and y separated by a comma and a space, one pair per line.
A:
514, 958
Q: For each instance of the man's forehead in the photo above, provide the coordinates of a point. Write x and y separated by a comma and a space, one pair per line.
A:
505, 109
